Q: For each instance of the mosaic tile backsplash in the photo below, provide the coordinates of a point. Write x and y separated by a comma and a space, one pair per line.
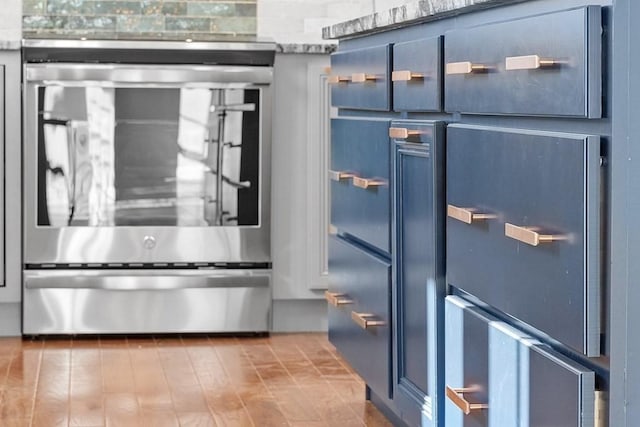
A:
139, 19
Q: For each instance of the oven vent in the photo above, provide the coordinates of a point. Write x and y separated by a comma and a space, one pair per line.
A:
155, 266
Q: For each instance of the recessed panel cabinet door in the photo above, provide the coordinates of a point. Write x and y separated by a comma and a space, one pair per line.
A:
418, 269
523, 227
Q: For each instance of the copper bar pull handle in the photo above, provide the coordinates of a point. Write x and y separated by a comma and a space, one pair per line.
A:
528, 62
406, 76
403, 133
340, 175
467, 215
338, 79
465, 67
337, 299
367, 183
456, 395
366, 320
530, 235
363, 77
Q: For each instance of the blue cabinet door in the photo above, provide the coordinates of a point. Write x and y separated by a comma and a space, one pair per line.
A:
418, 269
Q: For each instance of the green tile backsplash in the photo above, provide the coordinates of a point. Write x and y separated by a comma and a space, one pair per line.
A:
139, 18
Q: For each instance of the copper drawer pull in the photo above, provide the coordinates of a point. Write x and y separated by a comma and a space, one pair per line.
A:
366, 320
456, 395
402, 133
528, 62
467, 215
465, 68
363, 77
530, 235
366, 183
337, 299
340, 175
405, 76
338, 79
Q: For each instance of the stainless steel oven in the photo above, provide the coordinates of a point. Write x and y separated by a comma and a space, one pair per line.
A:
146, 186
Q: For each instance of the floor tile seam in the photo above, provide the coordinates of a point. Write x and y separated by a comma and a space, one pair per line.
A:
219, 362
193, 372
35, 387
306, 356
171, 392
308, 399
137, 386
265, 386
104, 391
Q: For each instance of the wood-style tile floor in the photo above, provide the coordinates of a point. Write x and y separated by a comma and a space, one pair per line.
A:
281, 380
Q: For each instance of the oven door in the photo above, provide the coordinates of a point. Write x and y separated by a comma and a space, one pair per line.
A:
128, 164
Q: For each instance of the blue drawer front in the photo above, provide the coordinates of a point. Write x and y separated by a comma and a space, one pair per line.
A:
364, 279
572, 400
373, 63
417, 75
361, 147
523, 382
466, 362
419, 285
545, 181
569, 41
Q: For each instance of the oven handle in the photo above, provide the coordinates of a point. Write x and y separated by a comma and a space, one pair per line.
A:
110, 74
135, 280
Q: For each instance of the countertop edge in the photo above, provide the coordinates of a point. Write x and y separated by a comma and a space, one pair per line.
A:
407, 15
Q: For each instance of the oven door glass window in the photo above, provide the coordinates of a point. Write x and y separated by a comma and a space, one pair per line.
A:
141, 156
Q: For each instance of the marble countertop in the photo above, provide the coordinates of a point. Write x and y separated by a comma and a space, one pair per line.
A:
310, 48
418, 11
281, 47
10, 44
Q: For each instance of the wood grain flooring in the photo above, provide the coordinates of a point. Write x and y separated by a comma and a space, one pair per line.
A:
283, 380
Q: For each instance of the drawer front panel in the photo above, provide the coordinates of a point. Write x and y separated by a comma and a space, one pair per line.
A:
560, 392
466, 364
548, 65
360, 78
524, 182
360, 149
524, 382
417, 75
364, 280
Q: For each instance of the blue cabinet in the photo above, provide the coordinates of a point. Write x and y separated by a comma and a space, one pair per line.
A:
519, 207
418, 268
